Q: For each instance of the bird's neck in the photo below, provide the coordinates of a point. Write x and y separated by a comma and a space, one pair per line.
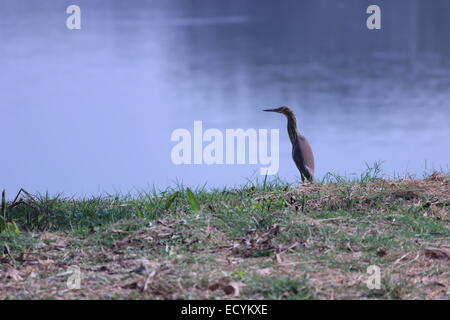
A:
292, 128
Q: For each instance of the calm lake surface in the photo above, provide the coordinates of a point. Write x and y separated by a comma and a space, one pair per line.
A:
92, 111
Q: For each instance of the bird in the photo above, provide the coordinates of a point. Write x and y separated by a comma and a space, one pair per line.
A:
301, 150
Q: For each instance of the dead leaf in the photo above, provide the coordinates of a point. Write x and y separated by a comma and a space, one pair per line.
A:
233, 288
381, 252
278, 258
13, 274
104, 269
60, 243
141, 269
256, 242
27, 270
132, 286
436, 253
6, 250
147, 280
265, 271
215, 286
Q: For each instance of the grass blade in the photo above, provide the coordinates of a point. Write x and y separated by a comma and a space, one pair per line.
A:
170, 200
193, 202
3, 217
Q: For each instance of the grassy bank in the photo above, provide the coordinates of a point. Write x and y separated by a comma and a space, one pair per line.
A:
261, 241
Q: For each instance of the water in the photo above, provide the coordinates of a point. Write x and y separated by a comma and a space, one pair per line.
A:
92, 111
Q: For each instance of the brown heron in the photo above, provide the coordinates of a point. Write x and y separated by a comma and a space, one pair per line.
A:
301, 150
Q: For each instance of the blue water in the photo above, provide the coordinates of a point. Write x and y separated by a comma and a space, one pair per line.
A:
92, 111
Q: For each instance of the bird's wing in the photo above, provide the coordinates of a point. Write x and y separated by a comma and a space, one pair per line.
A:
307, 156
307, 152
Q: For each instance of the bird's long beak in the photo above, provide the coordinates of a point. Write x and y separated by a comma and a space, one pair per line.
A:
271, 110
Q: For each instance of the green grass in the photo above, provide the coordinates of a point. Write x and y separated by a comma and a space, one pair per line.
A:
280, 288
277, 242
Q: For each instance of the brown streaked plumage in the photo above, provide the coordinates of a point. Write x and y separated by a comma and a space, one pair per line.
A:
301, 150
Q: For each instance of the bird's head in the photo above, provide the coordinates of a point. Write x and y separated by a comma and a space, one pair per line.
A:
284, 110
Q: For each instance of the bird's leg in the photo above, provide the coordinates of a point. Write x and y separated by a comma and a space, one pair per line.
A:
303, 178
